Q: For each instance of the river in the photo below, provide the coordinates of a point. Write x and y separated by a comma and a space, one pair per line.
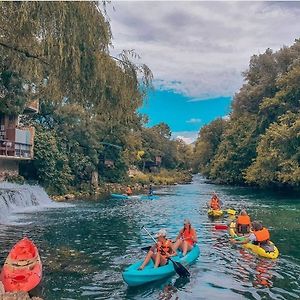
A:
86, 245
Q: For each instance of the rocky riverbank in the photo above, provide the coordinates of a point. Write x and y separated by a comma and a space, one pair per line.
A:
139, 183
15, 296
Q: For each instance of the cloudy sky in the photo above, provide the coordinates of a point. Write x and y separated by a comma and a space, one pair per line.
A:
197, 51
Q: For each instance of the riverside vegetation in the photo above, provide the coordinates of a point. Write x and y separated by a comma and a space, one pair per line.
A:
58, 53
259, 143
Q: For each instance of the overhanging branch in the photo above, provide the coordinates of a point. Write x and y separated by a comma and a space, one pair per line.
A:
25, 52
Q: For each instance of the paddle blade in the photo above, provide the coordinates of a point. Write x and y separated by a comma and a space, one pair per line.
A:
180, 269
147, 248
231, 211
221, 227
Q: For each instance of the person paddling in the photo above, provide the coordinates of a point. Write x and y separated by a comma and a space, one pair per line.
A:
243, 223
128, 191
159, 252
150, 192
186, 238
260, 236
215, 203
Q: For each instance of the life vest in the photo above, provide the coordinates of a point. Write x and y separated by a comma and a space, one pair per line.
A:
188, 235
262, 235
165, 247
129, 191
243, 220
214, 203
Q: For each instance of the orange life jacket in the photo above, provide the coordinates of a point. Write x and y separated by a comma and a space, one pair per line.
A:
214, 203
243, 220
189, 235
165, 247
129, 191
262, 235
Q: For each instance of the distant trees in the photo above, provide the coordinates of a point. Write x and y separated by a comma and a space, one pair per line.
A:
259, 144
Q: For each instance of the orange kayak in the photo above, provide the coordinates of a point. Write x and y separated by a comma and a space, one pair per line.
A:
22, 270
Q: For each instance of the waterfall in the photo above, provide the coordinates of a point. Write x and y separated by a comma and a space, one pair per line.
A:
15, 198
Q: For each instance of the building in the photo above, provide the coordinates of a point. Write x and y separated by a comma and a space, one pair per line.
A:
16, 142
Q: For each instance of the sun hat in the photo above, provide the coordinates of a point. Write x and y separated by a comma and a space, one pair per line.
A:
161, 232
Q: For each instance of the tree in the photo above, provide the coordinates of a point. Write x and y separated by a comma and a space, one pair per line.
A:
278, 154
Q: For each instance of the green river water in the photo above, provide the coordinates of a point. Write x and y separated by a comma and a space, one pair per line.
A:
85, 246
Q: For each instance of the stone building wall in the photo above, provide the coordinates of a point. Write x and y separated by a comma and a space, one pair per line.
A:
8, 168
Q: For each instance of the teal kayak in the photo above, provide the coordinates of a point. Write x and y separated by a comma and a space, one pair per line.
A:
133, 277
119, 196
149, 197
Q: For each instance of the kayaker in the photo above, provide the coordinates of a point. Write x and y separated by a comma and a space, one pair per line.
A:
186, 238
159, 252
243, 223
215, 203
128, 191
260, 236
150, 192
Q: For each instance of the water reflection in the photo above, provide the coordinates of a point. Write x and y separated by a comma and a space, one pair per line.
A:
85, 248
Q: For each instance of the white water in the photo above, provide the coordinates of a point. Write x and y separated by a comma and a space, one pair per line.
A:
15, 199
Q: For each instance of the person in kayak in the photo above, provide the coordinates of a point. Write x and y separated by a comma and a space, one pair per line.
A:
243, 223
186, 238
159, 252
215, 203
128, 191
260, 237
150, 192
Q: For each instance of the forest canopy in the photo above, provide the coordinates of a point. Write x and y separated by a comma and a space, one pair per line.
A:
259, 144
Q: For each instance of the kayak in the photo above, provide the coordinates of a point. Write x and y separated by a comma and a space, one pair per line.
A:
22, 270
149, 197
254, 248
134, 277
215, 212
119, 196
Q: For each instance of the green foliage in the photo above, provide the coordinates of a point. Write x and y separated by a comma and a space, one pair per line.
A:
12, 92
236, 150
51, 162
260, 143
207, 145
278, 154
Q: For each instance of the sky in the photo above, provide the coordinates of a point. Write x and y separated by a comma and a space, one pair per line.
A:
197, 52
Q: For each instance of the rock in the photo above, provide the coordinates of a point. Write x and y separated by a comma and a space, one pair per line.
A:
15, 296
2, 291
69, 196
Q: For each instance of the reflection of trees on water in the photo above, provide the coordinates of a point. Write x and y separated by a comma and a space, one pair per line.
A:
171, 290
254, 269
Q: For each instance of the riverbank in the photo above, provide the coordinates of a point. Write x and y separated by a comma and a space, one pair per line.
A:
15, 296
139, 182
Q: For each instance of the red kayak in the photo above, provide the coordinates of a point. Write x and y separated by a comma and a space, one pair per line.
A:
22, 270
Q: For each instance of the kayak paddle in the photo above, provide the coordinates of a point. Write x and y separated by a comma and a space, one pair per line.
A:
147, 248
221, 227
179, 268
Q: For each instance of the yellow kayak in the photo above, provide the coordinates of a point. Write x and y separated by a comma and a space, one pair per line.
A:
215, 212
254, 248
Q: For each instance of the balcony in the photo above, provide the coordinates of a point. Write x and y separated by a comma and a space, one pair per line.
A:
32, 107
17, 143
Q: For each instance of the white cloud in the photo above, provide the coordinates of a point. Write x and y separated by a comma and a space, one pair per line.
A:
200, 48
187, 136
194, 121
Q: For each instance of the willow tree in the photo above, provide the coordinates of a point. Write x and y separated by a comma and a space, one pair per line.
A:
62, 50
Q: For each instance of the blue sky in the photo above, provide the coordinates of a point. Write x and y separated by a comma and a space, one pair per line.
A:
197, 50
183, 114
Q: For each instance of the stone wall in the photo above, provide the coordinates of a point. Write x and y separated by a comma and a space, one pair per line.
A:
8, 168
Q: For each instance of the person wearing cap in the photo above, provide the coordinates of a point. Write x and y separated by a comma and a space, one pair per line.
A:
159, 252
186, 238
